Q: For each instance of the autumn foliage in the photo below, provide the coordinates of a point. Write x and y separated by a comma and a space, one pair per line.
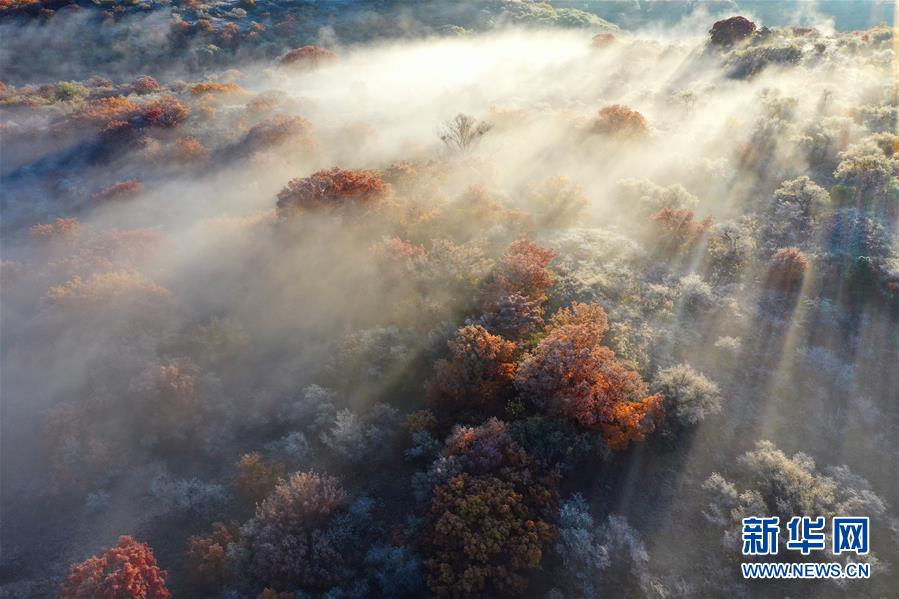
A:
127, 571
484, 538
256, 477
575, 378
333, 190
727, 32
207, 554
620, 122
786, 270
478, 372
119, 191
308, 57
277, 130
602, 40
523, 270
489, 525
678, 230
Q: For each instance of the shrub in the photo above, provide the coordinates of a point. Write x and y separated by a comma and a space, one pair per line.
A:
214, 87
166, 112
119, 191
308, 57
620, 122
332, 190
275, 131
145, 84
572, 376
602, 40
689, 396
286, 540
127, 570
727, 32
479, 371
188, 149
104, 110
122, 288
60, 229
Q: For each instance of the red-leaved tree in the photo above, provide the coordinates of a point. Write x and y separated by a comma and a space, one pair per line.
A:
127, 571
479, 371
333, 190
573, 377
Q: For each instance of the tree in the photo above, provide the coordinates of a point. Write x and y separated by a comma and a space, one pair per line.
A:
678, 230
463, 132
166, 112
513, 317
481, 538
556, 202
119, 191
727, 32
286, 539
573, 377
479, 372
333, 190
207, 555
308, 57
523, 271
621, 122
786, 270
127, 571
256, 477
689, 397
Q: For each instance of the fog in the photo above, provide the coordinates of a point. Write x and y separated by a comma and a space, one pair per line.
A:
186, 282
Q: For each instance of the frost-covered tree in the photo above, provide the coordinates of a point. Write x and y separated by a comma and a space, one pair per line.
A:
689, 397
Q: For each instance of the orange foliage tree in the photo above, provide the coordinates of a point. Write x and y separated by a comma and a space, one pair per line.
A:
678, 229
786, 270
482, 538
119, 191
207, 554
308, 56
257, 477
165, 112
479, 371
334, 189
127, 571
620, 121
489, 525
572, 376
277, 130
523, 270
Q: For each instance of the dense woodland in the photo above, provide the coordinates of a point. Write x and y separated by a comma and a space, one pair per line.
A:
381, 299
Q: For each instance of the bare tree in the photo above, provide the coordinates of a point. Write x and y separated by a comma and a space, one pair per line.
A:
463, 132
